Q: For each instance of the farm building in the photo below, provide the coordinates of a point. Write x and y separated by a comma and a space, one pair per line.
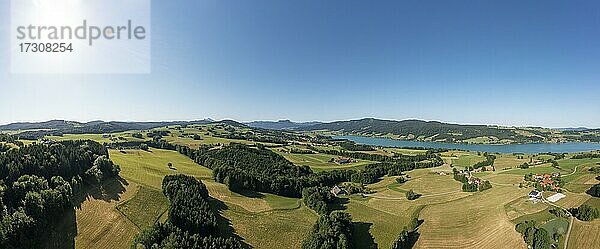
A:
336, 191
344, 160
535, 195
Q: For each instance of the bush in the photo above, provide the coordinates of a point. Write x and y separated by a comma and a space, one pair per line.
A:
594, 190
401, 179
411, 195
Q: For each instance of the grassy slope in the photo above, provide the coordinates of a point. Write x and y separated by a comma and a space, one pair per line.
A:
262, 220
99, 224
320, 162
452, 218
145, 207
149, 167
478, 221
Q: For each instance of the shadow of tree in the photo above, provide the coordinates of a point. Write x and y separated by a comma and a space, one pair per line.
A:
339, 204
62, 231
412, 238
361, 237
109, 189
225, 227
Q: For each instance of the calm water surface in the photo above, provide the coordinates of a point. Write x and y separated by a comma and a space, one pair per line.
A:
531, 148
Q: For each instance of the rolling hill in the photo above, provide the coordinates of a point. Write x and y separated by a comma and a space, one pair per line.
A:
280, 125
445, 132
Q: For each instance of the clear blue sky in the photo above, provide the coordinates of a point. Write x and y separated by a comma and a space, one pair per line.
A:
484, 62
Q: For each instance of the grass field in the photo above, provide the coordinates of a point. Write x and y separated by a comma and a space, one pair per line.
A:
95, 137
321, 162
584, 234
478, 221
149, 167
99, 224
465, 159
452, 218
260, 219
145, 207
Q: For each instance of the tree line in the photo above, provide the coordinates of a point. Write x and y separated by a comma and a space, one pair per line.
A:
489, 161
352, 146
585, 212
192, 222
428, 155
586, 155
37, 183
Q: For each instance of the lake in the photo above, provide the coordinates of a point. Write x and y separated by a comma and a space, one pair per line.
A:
531, 148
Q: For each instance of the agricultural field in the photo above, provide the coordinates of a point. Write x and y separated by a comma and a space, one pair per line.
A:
253, 215
149, 167
321, 162
463, 159
100, 138
449, 217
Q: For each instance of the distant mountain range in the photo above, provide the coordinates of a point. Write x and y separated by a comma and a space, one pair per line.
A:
573, 129
34, 130
405, 129
112, 126
454, 133
281, 124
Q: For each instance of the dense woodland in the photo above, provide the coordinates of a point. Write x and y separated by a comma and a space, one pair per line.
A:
192, 222
352, 146
260, 169
318, 199
37, 183
331, 231
418, 128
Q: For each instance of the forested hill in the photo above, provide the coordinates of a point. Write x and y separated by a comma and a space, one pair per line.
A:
107, 126
280, 125
438, 131
58, 127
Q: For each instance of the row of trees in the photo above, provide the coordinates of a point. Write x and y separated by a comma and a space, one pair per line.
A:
352, 146
428, 155
408, 236
586, 155
489, 161
192, 223
585, 212
37, 183
372, 172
